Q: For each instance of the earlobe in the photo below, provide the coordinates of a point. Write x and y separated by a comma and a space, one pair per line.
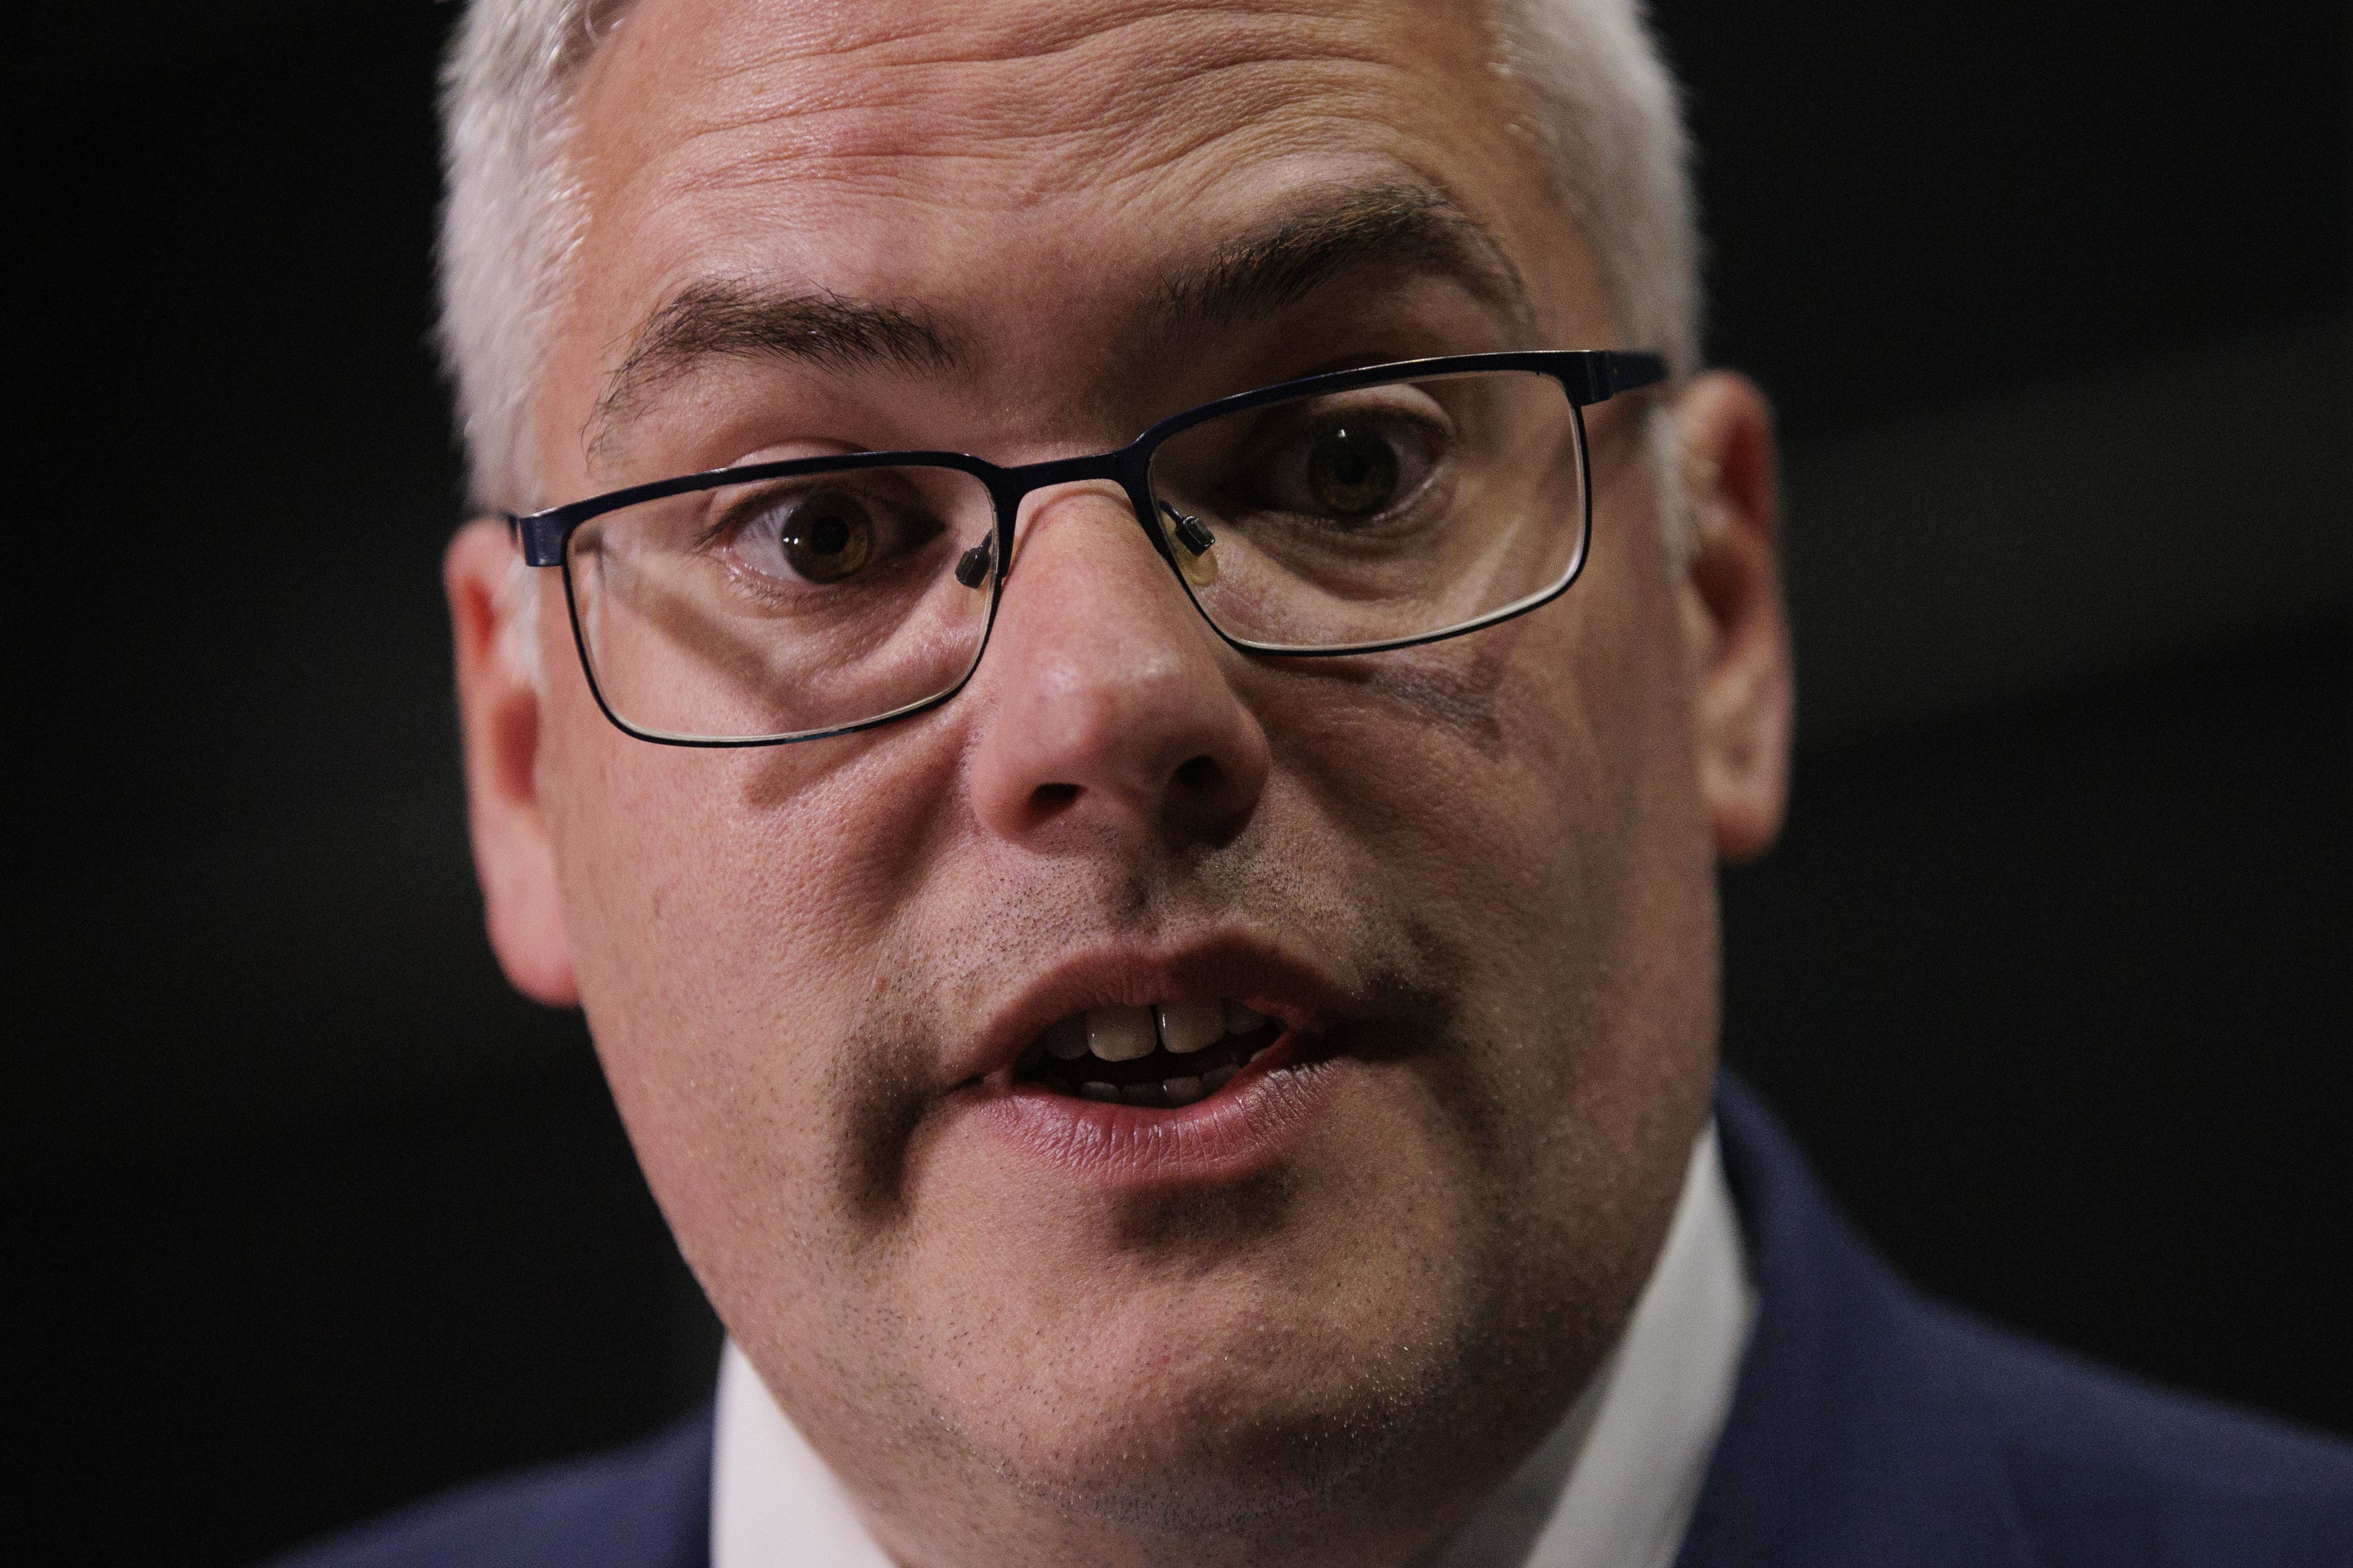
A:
1736, 618
500, 709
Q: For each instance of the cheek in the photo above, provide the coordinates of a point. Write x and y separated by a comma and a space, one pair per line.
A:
1526, 800
732, 915
1466, 777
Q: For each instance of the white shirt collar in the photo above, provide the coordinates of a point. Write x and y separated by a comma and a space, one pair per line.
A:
1613, 1485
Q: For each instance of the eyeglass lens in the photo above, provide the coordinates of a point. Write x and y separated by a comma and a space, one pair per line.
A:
785, 607
1380, 514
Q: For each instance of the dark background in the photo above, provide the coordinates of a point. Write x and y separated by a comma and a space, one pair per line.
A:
307, 1216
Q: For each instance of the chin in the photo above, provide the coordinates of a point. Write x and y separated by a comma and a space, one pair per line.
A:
1228, 1461
1260, 1413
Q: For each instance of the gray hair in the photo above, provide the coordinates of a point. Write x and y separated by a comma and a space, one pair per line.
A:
1606, 110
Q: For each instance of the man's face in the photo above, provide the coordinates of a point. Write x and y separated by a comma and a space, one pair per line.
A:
1471, 882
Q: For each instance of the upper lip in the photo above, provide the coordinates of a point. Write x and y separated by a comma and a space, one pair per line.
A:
1258, 974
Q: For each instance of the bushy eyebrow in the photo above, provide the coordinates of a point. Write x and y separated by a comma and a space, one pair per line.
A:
727, 318
1398, 229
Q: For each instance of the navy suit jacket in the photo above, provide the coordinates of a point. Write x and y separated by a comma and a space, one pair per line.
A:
1871, 1429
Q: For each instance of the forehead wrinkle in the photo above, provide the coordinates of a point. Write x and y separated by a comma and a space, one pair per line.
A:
944, 157
930, 50
833, 109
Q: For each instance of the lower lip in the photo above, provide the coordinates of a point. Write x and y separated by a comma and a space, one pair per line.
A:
1244, 1128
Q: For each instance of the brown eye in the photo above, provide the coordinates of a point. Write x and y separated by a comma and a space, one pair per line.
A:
1351, 473
826, 537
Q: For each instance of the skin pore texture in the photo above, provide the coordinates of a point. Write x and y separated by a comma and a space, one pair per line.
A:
1479, 875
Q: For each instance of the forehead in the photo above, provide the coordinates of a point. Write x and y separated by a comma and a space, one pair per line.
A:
882, 146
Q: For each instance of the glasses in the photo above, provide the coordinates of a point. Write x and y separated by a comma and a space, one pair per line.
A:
1349, 514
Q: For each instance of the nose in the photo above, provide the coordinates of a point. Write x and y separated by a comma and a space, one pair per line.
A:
1111, 701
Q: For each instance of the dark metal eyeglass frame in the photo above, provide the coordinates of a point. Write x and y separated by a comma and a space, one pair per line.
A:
1588, 376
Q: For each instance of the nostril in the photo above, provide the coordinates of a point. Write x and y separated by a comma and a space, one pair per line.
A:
1199, 774
1049, 798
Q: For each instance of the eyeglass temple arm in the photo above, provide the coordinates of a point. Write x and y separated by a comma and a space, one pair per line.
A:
540, 536
1609, 372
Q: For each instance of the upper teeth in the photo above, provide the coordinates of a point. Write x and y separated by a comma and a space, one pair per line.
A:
1120, 1034
1188, 1026
1126, 1034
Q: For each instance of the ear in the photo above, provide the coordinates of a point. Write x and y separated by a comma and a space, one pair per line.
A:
1734, 619
498, 706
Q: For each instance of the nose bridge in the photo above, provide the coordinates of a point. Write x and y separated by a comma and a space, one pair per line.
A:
1036, 490
1086, 514
1031, 477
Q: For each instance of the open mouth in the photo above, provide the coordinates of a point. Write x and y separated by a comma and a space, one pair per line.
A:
1158, 1058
